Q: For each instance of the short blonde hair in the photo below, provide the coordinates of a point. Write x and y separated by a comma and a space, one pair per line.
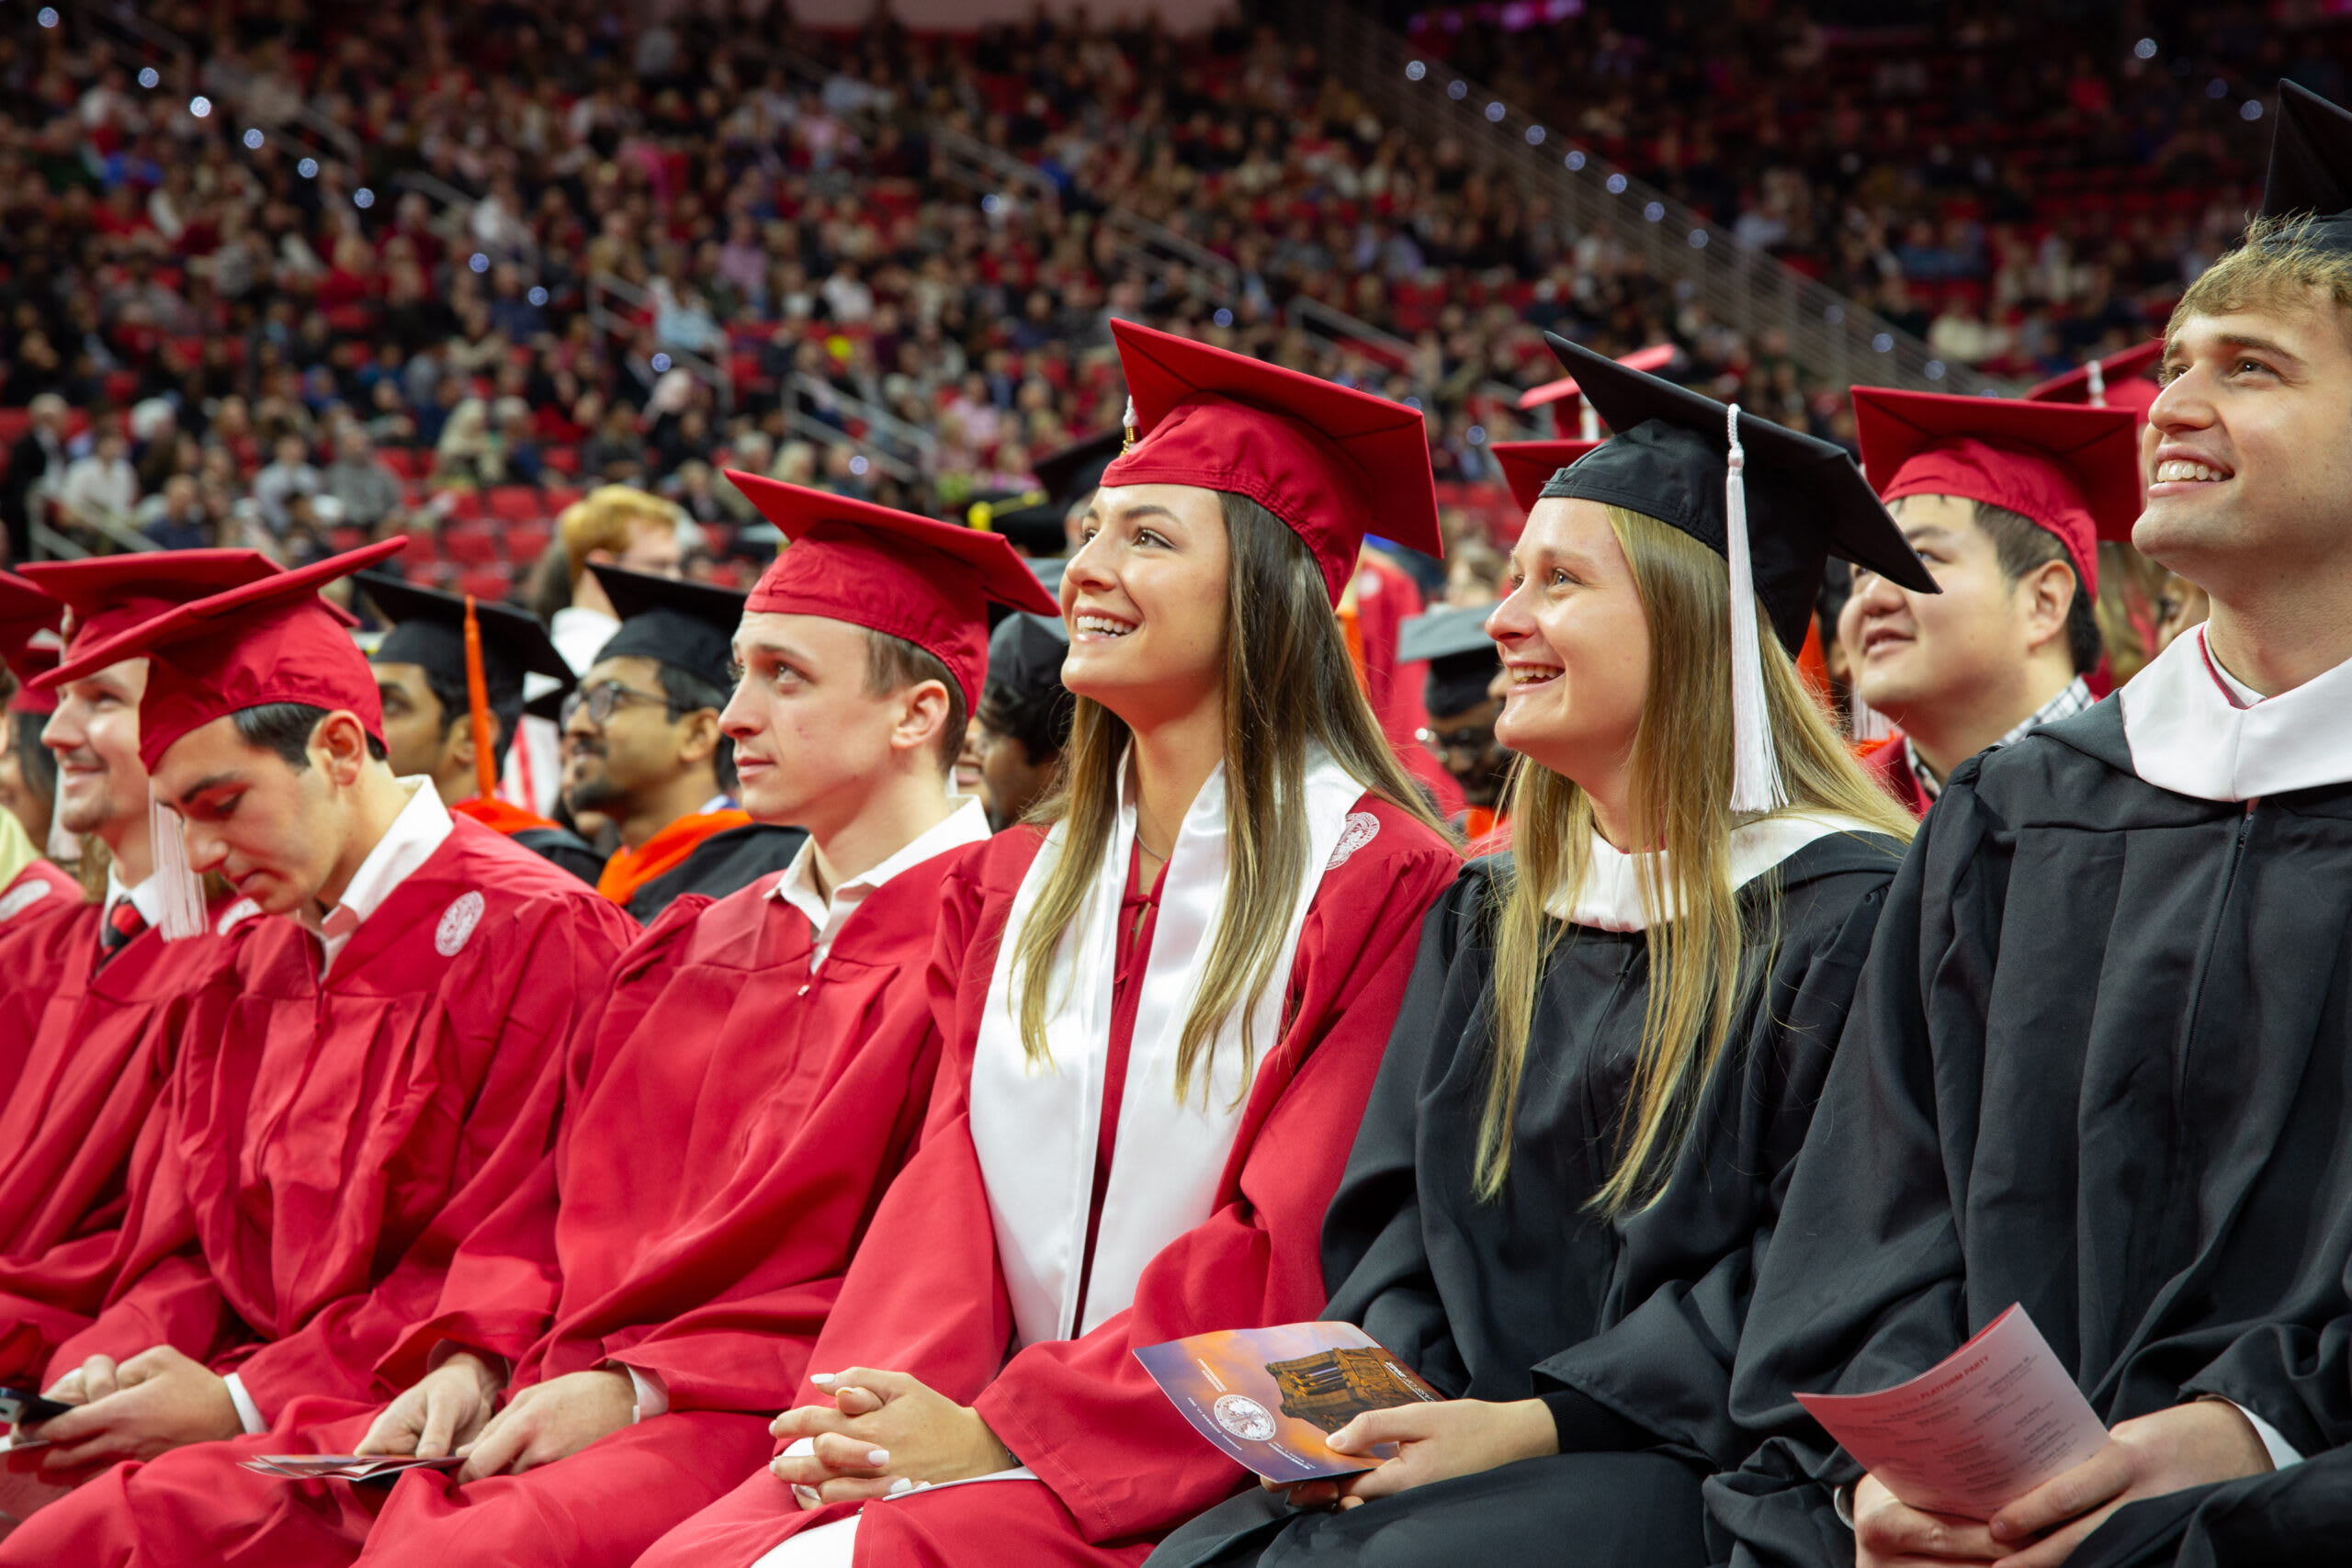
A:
2280, 266
606, 519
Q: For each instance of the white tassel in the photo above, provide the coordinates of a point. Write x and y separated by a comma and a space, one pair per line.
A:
1587, 424
182, 889
1756, 768
2098, 386
1864, 722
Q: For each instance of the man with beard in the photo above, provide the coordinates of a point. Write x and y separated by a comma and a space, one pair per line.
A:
1463, 707
643, 748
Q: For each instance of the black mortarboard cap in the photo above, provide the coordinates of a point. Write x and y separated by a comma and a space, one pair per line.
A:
428, 628
1026, 654
2311, 166
1806, 499
1066, 477
687, 626
1461, 658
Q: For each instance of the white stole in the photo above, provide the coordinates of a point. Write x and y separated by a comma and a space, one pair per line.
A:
1034, 1126
1610, 896
2188, 736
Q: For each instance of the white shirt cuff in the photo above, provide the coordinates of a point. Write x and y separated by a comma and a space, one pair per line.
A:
248, 1413
652, 1394
2282, 1452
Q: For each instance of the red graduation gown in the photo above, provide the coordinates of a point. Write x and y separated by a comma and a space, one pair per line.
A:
98, 1047
36, 899
321, 1163
729, 1124
1888, 762
1119, 1466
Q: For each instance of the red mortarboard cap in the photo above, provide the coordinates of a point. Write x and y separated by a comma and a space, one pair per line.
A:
111, 595
1652, 359
2074, 470
29, 645
1333, 463
925, 582
1528, 466
271, 641
2124, 382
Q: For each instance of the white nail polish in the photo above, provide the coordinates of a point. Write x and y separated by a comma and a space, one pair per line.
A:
878, 1456
823, 1380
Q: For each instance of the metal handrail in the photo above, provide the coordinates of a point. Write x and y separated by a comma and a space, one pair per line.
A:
1830, 334
606, 321
876, 418
816, 429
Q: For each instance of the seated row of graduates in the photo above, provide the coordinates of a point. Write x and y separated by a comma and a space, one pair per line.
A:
917, 1141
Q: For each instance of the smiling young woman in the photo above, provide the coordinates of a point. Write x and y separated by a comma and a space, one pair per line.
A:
1164, 1006
1609, 1051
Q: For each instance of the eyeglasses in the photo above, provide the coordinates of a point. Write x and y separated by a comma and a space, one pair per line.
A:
606, 698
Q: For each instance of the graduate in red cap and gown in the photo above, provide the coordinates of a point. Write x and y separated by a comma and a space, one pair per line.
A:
108, 987
2007, 503
1154, 1062
325, 1146
30, 883
766, 1059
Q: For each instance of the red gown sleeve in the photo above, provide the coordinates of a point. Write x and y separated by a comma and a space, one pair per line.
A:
1082, 1412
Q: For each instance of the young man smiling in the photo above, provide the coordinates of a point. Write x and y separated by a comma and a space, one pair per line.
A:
325, 1145
2006, 501
2096, 1064
765, 1058
100, 1000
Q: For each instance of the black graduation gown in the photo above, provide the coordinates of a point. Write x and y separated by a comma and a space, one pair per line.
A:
719, 865
564, 848
1535, 1294
2097, 1065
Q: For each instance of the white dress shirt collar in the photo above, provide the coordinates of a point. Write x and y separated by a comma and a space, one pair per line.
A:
147, 898
419, 829
968, 824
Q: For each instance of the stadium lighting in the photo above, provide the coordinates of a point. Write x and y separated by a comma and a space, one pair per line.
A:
1935, 368
1458, 90
46, 16
1495, 112
2145, 49
1415, 70
200, 106
1575, 160
2217, 88
660, 364
1616, 184
1698, 239
308, 168
253, 139
537, 296
1477, 433
1535, 136
1653, 211
858, 464
1883, 341
2250, 110
363, 198
150, 77
479, 261
992, 204
1835, 314
1223, 318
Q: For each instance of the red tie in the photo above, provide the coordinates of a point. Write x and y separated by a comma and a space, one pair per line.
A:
124, 922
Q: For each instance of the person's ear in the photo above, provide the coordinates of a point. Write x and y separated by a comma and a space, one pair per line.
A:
339, 748
458, 747
2046, 596
923, 718
698, 737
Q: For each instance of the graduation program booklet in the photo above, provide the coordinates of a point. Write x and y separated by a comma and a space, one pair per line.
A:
1270, 1396
1981, 1428
344, 1466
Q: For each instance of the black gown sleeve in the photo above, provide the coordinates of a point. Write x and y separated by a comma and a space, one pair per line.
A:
1374, 1261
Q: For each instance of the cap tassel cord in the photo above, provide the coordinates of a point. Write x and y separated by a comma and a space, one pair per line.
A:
182, 889
1756, 770
478, 700
2098, 386
1864, 722
1587, 424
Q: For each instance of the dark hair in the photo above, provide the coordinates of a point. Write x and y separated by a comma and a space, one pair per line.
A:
2021, 545
1039, 721
892, 664
458, 708
37, 762
689, 692
285, 728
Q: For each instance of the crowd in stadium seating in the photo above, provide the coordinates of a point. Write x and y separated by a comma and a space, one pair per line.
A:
799, 267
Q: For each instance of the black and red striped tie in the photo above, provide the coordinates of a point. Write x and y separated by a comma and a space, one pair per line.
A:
123, 922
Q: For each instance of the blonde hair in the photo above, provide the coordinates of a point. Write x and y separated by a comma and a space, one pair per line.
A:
2278, 267
1681, 800
1289, 686
606, 519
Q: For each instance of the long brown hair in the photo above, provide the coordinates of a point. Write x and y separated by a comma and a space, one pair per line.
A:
1681, 800
1288, 686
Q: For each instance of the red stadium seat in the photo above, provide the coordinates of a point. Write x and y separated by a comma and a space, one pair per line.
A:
470, 544
490, 583
404, 461
459, 505
528, 541
515, 503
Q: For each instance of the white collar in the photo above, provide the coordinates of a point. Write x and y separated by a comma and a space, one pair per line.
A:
2196, 730
420, 829
968, 824
1610, 897
579, 633
147, 898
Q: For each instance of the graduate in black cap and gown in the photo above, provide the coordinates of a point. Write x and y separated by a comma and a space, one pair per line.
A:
428, 669
1024, 716
2097, 1066
1609, 1054
642, 747
1459, 692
